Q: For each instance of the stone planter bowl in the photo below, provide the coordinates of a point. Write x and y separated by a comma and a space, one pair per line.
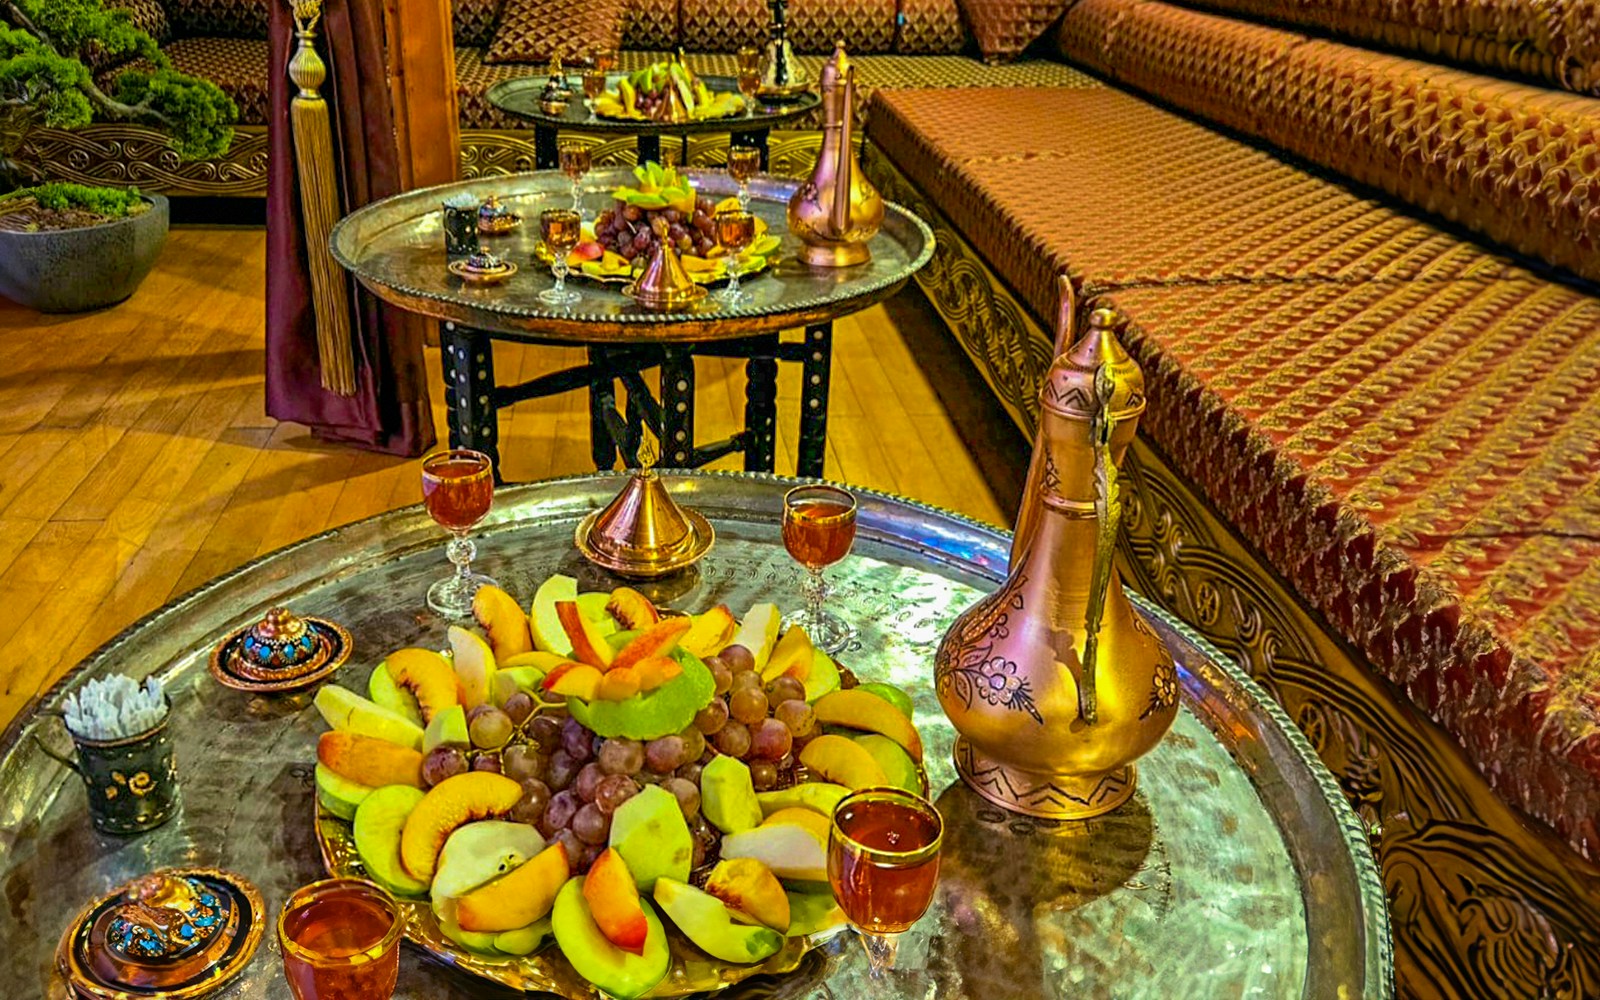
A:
73, 270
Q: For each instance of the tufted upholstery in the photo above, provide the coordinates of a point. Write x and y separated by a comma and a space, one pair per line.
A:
1558, 43
1004, 28
1513, 162
866, 26
237, 65
1420, 461
929, 27
651, 24
1123, 194
473, 21
218, 18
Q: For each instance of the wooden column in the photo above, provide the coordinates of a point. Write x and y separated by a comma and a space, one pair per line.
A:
422, 82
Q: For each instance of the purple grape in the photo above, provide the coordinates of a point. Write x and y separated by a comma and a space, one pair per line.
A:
797, 716
694, 743
691, 773
530, 808
739, 659
443, 762
763, 774
486, 762
576, 849
577, 741
621, 756
520, 707
712, 718
745, 680
749, 704
546, 731
770, 739
563, 769
588, 779
733, 739
590, 824
665, 754
688, 794
613, 791
520, 761
559, 812
785, 688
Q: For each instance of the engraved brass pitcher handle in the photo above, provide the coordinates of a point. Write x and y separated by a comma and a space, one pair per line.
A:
1107, 518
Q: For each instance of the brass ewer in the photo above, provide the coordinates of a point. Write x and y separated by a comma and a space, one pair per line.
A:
837, 210
1055, 684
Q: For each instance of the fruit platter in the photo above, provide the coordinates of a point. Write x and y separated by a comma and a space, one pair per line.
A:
666, 92
600, 796
622, 236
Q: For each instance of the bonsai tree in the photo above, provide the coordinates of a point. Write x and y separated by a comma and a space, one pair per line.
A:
44, 82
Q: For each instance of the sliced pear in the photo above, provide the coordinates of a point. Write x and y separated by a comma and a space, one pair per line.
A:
759, 632
548, 635
474, 665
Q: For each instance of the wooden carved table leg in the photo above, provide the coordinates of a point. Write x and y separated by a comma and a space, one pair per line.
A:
816, 366
677, 408
467, 357
761, 407
602, 400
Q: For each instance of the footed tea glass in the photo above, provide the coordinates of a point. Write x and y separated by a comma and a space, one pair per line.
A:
458, 489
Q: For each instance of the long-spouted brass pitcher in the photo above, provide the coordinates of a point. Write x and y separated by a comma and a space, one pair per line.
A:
837, 210
1054, 682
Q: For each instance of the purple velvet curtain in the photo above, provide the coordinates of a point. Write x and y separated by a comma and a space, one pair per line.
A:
389, 411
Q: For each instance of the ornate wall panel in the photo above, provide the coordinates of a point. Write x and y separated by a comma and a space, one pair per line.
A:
1482, 903
487, 152
133, 154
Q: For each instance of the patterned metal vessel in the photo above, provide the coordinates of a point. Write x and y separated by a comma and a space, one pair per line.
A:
1054, 682
837, 210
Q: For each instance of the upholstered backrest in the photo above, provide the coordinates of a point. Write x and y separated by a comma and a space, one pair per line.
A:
651, 24
1556, 41
1517, 163
218, 18
473, 21
865, 26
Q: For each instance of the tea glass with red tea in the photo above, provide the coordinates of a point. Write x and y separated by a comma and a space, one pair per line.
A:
819, 526
575, 159
883, 865
744, 162
457, 490
341, 941
562, 229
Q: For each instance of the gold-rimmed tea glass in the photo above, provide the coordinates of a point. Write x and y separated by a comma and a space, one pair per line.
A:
883, 865
458, 490
594, 84
819, 526
341, 941
744, 162
575, 159
561, 228
736, 230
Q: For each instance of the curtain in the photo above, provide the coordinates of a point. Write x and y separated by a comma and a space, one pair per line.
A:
389, 411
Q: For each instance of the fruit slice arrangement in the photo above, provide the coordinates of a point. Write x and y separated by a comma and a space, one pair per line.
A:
635, 787
666, 91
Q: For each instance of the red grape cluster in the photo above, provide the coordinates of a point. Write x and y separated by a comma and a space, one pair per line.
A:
765, 725
626, 229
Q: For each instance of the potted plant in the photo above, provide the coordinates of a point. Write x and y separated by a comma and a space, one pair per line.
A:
67, 247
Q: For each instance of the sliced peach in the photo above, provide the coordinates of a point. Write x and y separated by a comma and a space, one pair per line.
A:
791, 656
574, 679
809, 820
538, 659
631, 609
843, 762
473, 664
588, 645
368, 760
455, 801
503, 618
864, 710
618, 683
657, 640
655, 671
428, 676
613, 899
747, 886
519, 897
711, 631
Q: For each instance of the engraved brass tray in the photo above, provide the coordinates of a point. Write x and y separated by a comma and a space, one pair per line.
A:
1236, 870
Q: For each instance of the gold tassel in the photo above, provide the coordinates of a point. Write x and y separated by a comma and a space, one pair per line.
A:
319, 203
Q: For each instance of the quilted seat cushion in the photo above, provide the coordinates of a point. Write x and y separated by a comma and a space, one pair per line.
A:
1421, 461
1120, 193
474, 77
237, 65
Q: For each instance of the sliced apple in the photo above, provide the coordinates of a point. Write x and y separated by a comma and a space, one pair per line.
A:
748, 887
613, 900
502, 617
343, 797
383, 691
428, 676
618, 683
655, 671
593, 605
448, 726
813, 912
658, 640
509, 680
790, 851
343, 709
520, 897
616, 973
823, 679
711, 631
843, 762
759, 632
808, 820
454, 801
538, 659
588, 643
864, 710
548, 635
474, 666
368, 760
476, 854
574, 680
713, 927
792, 656
631, 609
378, 822
818, 796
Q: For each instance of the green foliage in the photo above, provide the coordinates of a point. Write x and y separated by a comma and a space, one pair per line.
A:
113, 203
42, 80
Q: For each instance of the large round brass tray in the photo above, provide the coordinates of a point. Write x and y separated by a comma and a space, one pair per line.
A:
1236, 870
395, 248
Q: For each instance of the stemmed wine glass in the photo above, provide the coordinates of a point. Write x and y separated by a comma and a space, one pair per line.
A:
562, 228
749, 78
575, 162
736, 229
744, 161
594, 84
883, 865
819, 526
457, 489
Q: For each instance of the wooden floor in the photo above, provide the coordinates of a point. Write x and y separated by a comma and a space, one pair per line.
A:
137, 462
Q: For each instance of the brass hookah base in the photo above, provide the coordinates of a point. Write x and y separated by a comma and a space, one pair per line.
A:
1047, 796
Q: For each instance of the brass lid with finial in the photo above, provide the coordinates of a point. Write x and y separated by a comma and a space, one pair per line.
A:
665, 285
643, 532
1069, 389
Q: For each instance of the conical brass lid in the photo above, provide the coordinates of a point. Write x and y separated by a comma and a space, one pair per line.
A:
664, 283
643, 532
1069, 384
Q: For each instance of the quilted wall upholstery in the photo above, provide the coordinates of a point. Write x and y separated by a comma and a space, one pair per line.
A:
1004, 28
722, 25
535, 31
218, 18
865, 26
1515, 163
930, 27
651, 24
473, 21
1557, 42
237, 65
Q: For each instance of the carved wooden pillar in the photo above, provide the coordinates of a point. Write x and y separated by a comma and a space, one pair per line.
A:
422, 86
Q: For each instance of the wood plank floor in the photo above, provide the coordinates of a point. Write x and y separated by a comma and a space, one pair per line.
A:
137, 462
